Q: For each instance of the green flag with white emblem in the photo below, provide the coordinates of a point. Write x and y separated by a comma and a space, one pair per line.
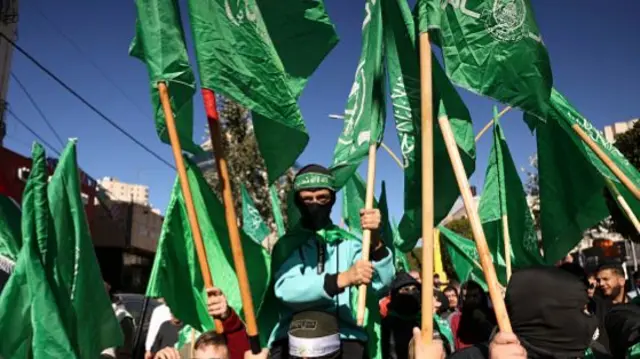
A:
365, 111
401, 48
252, 223
262, 63
493, 48
571, 191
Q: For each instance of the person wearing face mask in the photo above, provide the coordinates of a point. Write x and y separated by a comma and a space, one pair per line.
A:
317, 267
547, 309
405, 314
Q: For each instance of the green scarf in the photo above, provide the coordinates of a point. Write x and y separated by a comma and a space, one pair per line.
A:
634, 351
291, 241
299, 235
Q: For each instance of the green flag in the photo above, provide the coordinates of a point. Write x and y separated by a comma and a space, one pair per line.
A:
237, 57
465, 259
61, 307
572, 178
353, 197
403, 66
159, 43
401, 260
89, 317
365, 111
277, 210
302, 34
493, 48
10, 234
503, 195
252, 223
30, 322
176, 272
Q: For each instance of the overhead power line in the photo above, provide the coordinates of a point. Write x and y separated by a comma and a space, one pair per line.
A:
104, 74
84, 101
35, 105
33, 132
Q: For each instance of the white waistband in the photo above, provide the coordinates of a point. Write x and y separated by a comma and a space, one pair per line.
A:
314, 347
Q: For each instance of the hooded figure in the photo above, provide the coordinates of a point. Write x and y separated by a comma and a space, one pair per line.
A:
403, 316
623, 328
548, 312
476, 321
405, 313
316, 266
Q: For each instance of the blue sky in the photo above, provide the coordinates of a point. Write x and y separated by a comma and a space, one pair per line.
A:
593, 48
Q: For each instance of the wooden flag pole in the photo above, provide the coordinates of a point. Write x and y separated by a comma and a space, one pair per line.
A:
231, 218
366, 234
607, 161
623, 204
186, 190
476, 227
192, 349
426, 110
506, 237
488, 125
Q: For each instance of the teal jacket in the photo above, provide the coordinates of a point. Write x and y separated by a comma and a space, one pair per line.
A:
299, 287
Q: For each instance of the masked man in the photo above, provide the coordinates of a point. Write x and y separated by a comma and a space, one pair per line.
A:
317, 266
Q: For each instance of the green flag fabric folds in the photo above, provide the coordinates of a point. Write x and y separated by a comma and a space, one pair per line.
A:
504, 196
159, 43
353, 198
249, 58
401, 260
252, 223
365, 111
572, 185
10, 233
403, 66
59, 308
176, 273
465, 259
277, 210
302, 34
493, 48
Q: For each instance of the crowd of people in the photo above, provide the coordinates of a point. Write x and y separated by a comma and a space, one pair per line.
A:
555, 312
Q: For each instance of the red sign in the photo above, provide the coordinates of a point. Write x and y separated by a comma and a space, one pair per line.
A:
14, 171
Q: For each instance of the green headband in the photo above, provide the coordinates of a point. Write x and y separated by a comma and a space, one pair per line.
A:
313, 180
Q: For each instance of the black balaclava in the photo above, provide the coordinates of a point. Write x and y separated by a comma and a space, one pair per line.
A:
477, 320
547, 308
314, 216
405, 304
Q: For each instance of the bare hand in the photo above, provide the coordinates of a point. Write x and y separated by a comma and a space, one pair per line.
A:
370, 219
262, 355
435, 350
506, 345
217, 305
361, 272
167, 353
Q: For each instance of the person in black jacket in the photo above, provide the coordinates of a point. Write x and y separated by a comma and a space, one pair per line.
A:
404, 315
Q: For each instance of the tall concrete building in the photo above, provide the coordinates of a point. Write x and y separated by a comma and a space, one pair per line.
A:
610, 132
125, 192
9, 28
